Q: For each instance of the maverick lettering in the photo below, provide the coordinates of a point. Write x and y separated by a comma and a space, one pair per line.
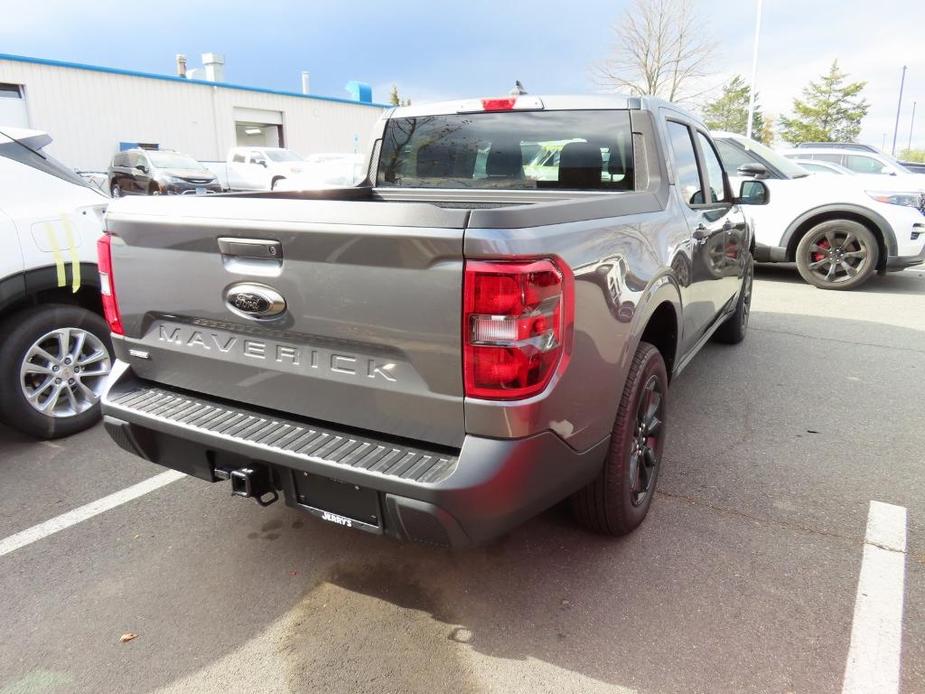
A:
289, 355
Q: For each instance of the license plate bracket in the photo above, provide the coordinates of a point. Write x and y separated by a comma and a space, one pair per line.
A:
341, 503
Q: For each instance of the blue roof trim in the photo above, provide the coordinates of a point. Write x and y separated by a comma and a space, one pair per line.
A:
173, 78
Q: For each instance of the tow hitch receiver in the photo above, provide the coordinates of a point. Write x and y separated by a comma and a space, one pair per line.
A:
251, 483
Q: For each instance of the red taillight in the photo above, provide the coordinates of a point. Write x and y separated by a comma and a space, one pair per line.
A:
107, 285
504, 104
517, 323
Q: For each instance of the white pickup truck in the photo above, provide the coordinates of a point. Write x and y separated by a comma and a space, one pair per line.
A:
256, 168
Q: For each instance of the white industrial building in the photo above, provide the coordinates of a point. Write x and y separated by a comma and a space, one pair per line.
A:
93, 112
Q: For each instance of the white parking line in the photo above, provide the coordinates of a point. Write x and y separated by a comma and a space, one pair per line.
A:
876, 633
82, 513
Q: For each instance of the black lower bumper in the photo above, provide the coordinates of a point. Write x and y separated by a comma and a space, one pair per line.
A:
901, 262
407, 490
770, 254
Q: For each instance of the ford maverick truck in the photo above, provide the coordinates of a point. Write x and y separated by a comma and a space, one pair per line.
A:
452, 346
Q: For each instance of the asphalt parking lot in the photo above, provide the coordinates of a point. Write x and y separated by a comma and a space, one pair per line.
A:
743, 578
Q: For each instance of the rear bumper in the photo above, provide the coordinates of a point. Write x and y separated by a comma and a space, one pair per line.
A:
424, 494
190, 188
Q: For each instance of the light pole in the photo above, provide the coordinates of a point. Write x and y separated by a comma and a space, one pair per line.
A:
902, 84
751, 88
911, 125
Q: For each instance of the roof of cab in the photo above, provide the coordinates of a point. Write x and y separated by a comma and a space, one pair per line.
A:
554, 102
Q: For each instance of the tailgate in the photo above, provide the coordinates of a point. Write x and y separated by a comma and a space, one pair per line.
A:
369, 335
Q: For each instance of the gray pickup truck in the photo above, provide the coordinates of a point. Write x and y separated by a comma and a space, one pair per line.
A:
484, 327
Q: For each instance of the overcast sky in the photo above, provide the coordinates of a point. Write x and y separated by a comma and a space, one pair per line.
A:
435, 49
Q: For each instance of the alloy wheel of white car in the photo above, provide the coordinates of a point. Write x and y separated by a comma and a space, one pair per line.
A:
838, 254
63, 372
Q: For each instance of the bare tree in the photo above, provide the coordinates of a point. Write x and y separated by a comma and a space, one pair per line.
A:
662, 48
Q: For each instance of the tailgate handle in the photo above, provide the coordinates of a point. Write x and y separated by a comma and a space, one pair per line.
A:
268, 249
260, 257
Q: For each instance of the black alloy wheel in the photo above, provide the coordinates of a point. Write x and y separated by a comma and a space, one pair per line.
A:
646, 445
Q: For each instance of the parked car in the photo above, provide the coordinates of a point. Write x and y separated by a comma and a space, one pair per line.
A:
159, 172
839, 145
858, 161
332, 170
839, 230
454, 346
99, 179
55, 350
823, 167
256, 168
916, 167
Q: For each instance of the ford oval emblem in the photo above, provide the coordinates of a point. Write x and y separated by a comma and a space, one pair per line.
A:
254, 300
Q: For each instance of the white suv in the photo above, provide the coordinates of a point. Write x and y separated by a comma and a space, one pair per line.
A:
55, 351
839, 230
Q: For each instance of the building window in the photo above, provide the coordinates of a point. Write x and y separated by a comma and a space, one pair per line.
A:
10, 91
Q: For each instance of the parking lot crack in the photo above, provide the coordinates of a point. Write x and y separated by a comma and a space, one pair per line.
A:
853, 343
703, 503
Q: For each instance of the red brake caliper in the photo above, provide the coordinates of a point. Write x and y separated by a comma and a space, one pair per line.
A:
817, 256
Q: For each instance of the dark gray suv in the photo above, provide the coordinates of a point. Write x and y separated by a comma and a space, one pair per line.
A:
159, 172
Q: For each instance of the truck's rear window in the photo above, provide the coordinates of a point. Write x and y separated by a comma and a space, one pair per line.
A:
565, 150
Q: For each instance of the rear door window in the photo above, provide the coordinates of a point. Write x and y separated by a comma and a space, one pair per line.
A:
566, 150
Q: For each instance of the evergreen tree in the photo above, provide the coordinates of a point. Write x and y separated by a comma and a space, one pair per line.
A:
831, 110
729, 111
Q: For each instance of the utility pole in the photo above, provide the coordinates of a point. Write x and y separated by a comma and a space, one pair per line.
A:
902, 84
751, 88
911, 125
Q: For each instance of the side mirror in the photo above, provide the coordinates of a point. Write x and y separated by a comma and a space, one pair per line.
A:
261, 162
142, 168
754, 169
754, 193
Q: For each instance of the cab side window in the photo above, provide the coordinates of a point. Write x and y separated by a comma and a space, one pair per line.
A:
238, 157
714, 169
684, 159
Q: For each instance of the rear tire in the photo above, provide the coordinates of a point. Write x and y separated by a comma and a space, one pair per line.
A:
733, 331
838, 254
617, 501
31, 359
